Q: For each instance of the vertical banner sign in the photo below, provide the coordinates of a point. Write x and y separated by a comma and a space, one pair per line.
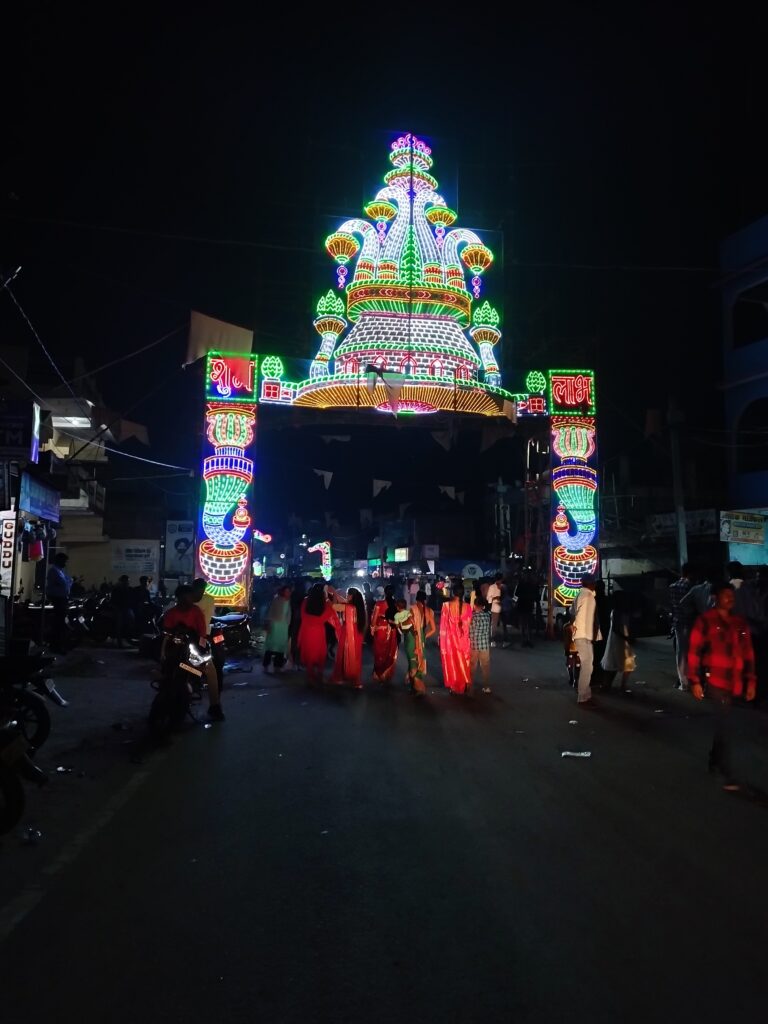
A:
7, 538
574, 491
224, 528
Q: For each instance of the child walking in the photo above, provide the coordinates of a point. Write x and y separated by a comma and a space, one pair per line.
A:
480, 644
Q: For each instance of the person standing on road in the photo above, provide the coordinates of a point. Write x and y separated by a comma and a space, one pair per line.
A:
424, 619
278, 623
207, 605
348, 666
58, 584
493, 596
480, 643
721, 657
454, 642
681, 623
619, 656
384, 637
122, 603
586, 630
316, 613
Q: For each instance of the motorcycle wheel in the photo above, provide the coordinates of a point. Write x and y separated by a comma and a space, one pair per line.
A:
33, 717
11, 799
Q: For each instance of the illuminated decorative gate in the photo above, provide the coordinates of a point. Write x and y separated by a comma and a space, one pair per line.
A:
401, 332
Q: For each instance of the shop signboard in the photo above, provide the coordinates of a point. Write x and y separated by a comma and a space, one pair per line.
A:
7, 538
20, 430
742, 528
38, 499
136, 557
179, 547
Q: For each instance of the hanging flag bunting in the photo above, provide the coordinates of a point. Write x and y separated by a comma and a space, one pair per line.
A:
443, 438
326, 474
491, 434
379, 486
450, 491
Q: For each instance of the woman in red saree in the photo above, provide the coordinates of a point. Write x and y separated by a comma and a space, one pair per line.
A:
384, 637
349, 653
454, 642
316, 612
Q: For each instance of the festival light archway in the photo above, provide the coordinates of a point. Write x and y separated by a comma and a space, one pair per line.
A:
402, 311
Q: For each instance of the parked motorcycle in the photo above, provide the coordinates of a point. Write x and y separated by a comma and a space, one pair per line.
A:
180, 681
15, 764
234, 628
24, 682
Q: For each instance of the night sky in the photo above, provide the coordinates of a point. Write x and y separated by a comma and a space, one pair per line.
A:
152, 167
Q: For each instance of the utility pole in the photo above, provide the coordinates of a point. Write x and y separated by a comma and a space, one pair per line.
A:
675, 420
502, 524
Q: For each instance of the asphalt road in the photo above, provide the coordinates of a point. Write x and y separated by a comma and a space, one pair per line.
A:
355, 857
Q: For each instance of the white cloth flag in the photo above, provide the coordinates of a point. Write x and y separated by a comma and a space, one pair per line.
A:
450, 491
326, 474
206, 334
379, 486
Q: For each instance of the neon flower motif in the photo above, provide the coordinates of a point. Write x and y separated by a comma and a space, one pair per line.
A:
272, 367
536, 382
323, 548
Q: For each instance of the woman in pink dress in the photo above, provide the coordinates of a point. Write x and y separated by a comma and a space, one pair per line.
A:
349, 653
454, 642
316, 612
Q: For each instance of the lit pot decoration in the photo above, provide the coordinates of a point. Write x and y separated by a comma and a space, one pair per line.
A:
342, 247
440, 217
382, 212
323, 548
478, 258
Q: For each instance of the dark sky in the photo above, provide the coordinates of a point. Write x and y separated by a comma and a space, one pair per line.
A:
153, 166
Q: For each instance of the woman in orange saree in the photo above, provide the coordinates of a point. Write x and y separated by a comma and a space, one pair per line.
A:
349, 653
454, 643
384, 637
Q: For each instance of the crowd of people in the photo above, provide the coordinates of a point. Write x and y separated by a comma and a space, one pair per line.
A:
305, 629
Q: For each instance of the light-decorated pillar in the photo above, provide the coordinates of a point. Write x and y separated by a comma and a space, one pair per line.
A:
225, 523
574, 481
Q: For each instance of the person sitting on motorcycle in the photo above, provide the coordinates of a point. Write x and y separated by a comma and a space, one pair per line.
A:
187, 613
207, 605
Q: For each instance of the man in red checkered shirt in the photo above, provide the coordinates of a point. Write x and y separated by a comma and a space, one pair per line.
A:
720, 656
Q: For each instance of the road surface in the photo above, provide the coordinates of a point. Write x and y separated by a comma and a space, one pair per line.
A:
354, 857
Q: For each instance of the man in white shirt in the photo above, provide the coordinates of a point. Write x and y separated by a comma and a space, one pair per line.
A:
493, 596
586, 629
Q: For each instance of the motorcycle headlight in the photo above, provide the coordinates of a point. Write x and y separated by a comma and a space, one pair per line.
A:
196, 657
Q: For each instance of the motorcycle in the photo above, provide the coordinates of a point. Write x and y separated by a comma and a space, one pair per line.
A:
15, 764
234, 628
23, 685
180, 681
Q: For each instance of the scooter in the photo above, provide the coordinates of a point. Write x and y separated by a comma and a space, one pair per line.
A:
15, 763
180, 681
